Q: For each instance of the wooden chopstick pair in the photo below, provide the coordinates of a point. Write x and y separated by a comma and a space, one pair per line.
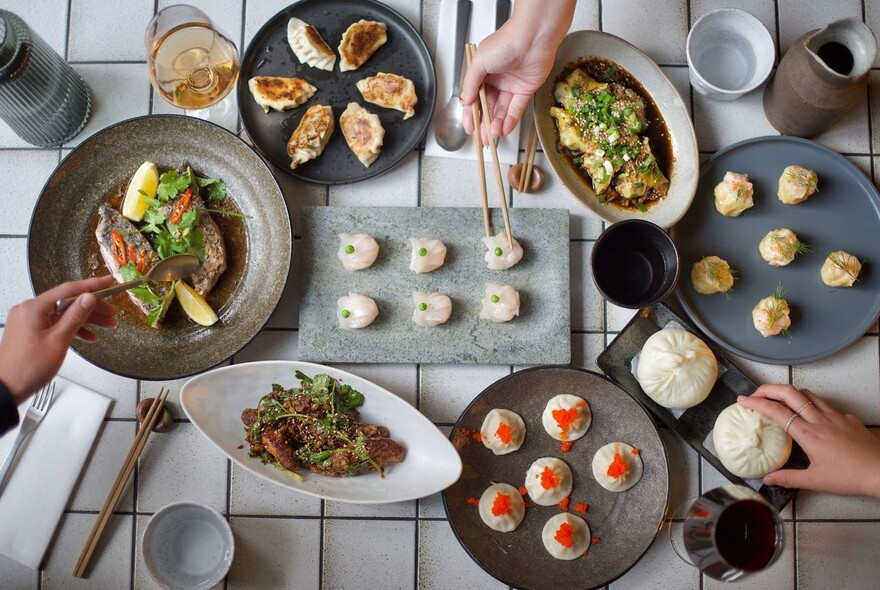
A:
140, 439
525, 176
470, 48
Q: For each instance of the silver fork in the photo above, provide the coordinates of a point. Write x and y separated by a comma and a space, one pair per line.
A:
32, 418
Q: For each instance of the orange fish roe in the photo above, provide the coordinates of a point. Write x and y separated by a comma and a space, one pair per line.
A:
549, 479
595, 540
581, 404
564, 535
635, 451
504, 433
501, 504
565, 418
581, 507
474, 501
563, 504
565, 446
522, 491
618, 467
477, 436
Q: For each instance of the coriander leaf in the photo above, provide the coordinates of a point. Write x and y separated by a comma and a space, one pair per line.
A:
216, 188
348, 399
171, 184
130, 272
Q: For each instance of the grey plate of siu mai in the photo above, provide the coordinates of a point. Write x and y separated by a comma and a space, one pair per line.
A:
843, 215
539, 335
625, 522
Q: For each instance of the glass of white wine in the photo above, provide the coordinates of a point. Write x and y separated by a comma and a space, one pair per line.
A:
193, 64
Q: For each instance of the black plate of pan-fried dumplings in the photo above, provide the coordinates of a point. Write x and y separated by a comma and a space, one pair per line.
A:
404, 54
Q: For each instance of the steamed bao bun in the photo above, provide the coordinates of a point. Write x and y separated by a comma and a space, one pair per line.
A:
617, 467
501, 507
566, 536
748, 444
567, 417
548, 481
676, 369
503, 431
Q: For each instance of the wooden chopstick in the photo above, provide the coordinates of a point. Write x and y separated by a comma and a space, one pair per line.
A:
525, 176
494, 152
478, 145
115, 492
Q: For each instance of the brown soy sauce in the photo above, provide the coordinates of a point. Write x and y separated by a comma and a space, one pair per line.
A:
837, 57
745, 535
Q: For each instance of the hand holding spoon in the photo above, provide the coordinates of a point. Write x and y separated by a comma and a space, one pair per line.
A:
172, 268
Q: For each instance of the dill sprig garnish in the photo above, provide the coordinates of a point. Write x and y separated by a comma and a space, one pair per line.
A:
778, 308
804, 177
789, 249
839, 263
716, 271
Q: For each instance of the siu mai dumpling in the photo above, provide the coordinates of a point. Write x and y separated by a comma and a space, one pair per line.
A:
359, 42
275, 92
308, 46
840, 269
391, 92
797, 184
311, 135
734, 194
363, 132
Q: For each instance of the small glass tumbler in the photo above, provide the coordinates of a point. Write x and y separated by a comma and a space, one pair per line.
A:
728, 533
42, 98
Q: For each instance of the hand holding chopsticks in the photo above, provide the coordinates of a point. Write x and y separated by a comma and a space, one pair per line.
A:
469, 53
116, 490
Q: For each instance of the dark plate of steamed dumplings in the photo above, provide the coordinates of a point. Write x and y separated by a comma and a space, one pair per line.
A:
404, 54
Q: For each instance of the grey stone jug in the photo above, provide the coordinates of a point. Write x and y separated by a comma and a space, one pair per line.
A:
822, 76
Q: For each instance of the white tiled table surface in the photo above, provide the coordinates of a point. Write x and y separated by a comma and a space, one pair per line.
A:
293, 541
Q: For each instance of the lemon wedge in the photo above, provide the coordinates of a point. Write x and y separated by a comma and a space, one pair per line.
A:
141, 187
195, 305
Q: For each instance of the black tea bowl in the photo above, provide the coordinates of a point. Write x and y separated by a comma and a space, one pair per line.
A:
634, 264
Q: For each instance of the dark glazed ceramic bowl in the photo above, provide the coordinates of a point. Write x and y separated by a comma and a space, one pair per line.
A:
634, 264
61, 241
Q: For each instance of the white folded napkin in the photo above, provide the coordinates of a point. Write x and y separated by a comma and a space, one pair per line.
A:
46, 470
482, 25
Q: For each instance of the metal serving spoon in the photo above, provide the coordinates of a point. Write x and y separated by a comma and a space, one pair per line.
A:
172, 268
450, 132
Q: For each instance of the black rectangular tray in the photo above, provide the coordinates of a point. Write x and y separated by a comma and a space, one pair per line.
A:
695, 424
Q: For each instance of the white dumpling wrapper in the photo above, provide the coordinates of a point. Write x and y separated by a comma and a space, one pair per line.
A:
500, 256
361, 311
580, 537
365, 251
427, 254
503, 523
504, 308
577, 427
561, 474
305, 50
749, 444
489, 431
603, 459
676, 369
438, 308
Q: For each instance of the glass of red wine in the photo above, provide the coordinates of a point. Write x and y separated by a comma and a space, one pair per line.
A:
728, 533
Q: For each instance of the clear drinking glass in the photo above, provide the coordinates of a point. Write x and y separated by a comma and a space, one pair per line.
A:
193, 64
728, 533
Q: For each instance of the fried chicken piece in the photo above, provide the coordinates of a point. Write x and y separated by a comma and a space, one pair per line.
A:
278, 447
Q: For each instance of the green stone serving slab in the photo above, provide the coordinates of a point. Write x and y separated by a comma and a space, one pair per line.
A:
541, 334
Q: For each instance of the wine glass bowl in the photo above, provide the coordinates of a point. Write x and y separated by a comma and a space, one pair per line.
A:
728, 533
193, 64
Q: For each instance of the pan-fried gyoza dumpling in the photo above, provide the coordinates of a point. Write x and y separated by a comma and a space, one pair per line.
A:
359, 42
390, 91
275, 92
311, 135
308, 45
363, 132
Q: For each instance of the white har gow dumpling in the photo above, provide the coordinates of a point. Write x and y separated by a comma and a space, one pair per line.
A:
500, 256
617, 467
503, 431
749, 444
548, 481
676, 369
427, 254
567, 417
357, 251
432, 309
308, 46
356, 311
500, 304
566, 536
501, 507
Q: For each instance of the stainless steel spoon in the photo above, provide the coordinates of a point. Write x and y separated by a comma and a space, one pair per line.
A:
172, 268
450, 132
